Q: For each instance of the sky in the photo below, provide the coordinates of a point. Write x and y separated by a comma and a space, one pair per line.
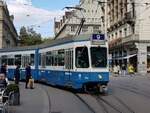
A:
38, 14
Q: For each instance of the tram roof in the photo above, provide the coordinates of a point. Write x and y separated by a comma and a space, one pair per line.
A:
84, 37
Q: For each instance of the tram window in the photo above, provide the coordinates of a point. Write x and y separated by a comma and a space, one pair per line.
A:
55, 58
11, 61
52, 59
99, 56
82, 60
32, 59
4, 59
0, 60
17, 59
40, 59
61, 57
43, 56
48, 58
69, 59
25, 60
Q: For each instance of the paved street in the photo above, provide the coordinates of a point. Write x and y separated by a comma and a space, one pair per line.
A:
45, 99
126, 95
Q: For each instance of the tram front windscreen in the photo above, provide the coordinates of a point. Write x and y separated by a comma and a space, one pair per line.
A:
98, 57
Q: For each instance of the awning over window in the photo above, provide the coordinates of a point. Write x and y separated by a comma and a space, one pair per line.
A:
126, 57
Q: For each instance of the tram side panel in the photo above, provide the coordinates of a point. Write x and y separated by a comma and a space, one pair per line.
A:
21, 57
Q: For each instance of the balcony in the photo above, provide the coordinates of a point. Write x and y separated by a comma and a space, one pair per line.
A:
130, 38
119, 41
129, 18
115, 42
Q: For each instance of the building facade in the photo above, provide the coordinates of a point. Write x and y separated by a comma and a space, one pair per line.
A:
69, 24
128, 26
8, 33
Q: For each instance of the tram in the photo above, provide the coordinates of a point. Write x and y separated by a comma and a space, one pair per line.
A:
79, 62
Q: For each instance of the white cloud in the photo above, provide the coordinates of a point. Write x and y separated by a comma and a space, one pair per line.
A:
27, 2
27, 15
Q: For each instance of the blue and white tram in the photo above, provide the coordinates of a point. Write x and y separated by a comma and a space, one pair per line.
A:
78, 62
21, 56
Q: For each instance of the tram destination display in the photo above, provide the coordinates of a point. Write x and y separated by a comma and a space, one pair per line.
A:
98, 39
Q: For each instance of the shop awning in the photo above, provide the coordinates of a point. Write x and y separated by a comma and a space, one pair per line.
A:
126, 57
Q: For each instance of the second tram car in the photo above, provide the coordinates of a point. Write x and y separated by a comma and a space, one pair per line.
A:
79, 62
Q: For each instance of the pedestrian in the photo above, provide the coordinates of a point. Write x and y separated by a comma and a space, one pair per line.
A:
131, 70
115, 70
17, 74
28, 74
3, 82
118, 69
123, 69
4, 69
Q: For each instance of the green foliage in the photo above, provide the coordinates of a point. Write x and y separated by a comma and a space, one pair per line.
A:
12, 88
29, 37
47, 40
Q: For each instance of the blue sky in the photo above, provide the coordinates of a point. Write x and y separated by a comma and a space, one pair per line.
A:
38, 14
53, 4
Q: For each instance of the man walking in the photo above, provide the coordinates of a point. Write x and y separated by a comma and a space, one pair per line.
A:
17, 74
123, 70
28, 74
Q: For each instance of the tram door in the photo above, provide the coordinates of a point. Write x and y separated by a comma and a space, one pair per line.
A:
68, 64
25, 60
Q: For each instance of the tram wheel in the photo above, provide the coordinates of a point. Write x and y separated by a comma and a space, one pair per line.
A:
85, 88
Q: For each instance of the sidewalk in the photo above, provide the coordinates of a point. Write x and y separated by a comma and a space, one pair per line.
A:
127, 74
32, 101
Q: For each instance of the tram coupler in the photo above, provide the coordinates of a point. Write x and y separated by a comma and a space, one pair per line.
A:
103, 89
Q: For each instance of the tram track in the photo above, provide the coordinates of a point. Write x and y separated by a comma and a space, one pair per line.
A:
100, 100
132, 90
125, 105
49, 100
85, 103
104, 103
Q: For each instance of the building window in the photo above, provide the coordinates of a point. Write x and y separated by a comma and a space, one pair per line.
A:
120, 33
116, 35
73, 28
112, 36
85, 29
125, 32
96, 29
8, 43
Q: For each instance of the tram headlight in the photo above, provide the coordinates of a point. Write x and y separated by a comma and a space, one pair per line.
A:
100, 76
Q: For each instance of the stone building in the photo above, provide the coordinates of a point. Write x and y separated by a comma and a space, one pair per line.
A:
8, 33
69, 24
128, 29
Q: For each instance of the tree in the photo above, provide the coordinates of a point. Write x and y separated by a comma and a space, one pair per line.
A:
29, 37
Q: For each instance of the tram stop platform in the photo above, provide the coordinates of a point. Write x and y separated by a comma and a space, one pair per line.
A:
31, 101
